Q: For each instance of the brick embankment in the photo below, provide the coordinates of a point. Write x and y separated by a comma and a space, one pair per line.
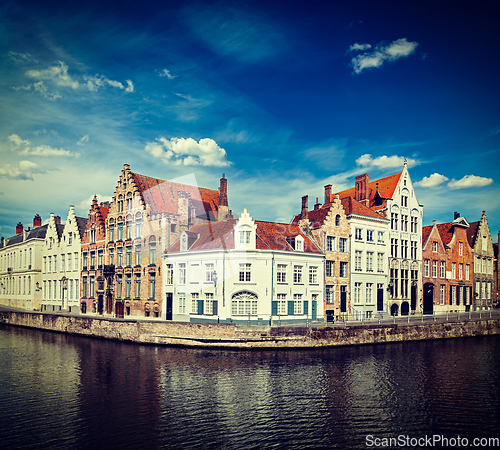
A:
235, 336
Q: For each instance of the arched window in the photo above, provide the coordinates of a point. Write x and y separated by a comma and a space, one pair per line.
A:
244, 303
120, 203
129, 201
337, 220
129, 227
138, 225
120, 229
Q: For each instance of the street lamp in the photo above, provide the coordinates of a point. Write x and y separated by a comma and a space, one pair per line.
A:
64, 282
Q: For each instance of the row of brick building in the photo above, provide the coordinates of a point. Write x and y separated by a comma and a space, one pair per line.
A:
172, 251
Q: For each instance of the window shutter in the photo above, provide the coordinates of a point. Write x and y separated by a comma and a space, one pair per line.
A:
215, 308
200, 307
290, 307
274, 310
306, 307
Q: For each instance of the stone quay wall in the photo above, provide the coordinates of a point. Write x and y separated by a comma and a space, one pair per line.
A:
244, 337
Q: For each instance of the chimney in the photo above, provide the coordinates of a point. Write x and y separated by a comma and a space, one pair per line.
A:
456, 215
2, 240
57, 220
19, 228
434, 223
361, 193
317, 205
37, 221
223, 210
328, 193
303, 213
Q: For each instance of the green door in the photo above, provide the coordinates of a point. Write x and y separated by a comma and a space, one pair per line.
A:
314, 309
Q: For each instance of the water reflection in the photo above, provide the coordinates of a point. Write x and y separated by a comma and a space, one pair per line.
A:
64, 391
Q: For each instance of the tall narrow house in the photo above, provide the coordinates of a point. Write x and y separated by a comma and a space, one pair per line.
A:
479, 238
394, 198
146, 216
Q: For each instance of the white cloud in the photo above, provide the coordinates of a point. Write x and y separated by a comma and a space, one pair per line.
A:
18, 141
58, 74
45, 150
400, 48
469, 181
41, 150
166, 73
83, 140
385, 162
24, 171
95, 82
359, 47
21, 57
188, 152
433, 181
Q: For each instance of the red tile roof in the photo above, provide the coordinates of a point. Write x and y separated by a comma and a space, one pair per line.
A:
352, 206
386, 188
446, 231
269, 236
426, 232
277, 236
161, 196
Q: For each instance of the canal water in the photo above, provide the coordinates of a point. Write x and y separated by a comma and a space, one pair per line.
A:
69, 392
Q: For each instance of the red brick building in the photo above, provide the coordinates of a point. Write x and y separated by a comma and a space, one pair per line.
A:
96, 284
146, 216
448, 264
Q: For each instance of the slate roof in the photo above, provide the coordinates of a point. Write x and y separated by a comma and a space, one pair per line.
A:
472, 232
161, 196
37, 233
386, 188
269, 236
81, 223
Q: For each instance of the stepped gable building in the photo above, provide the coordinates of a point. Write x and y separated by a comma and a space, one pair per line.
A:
496, 301
97, 280
60, 263
243, 271
448, 263
147, 216
20, 266
328, 226
478, 235
394, 198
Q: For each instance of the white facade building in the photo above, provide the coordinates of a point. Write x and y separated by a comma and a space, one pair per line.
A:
243, 271
61, 263
20, 263
369, 258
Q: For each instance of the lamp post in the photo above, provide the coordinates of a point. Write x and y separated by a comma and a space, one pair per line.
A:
64, 282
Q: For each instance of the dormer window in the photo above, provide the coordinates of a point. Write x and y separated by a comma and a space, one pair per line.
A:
299, 243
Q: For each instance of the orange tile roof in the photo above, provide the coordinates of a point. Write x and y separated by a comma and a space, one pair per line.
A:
161, 196
386, 188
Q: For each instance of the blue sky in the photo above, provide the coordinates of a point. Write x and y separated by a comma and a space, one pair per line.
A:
282, 97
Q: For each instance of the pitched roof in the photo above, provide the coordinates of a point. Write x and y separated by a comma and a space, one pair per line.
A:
386, 188
472, 232
161, 196
276, 236
426, 232
211, 236
81, 223
352, 206
269, 236
446, 231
